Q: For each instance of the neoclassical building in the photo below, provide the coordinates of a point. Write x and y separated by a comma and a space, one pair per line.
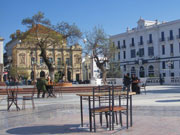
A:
23, 58
149, 50
1, 59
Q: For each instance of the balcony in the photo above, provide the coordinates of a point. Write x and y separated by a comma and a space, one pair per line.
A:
140, 43
177, 36
123, 47
170, 38
161, 39
132, 45
149, 42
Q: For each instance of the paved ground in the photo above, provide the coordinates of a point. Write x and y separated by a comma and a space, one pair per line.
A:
156, 113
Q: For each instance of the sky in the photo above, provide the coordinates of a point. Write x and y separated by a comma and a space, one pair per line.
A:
113, 15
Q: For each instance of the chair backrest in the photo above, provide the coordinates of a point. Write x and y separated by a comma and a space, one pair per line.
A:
103, 96
12, 90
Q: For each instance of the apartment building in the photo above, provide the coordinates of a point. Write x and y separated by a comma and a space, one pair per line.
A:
149, 50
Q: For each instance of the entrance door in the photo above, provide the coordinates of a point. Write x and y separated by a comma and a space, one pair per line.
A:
69, 75
77, 77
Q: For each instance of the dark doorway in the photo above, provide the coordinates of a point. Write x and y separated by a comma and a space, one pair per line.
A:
69, 75
141, 72
32, 75
42, 74
77, 77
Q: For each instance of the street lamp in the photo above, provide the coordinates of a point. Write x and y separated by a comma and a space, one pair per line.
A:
169, 64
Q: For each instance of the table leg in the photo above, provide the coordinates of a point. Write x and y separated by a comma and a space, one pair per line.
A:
131, 111
90, 120
127, 120
81, 106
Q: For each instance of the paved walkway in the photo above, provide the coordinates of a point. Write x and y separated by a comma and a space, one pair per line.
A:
156, 113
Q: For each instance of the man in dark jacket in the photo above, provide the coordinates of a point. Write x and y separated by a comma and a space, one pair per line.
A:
127, 82
41, 86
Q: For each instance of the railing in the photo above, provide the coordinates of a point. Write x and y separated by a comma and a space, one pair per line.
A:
170, 38
149, 42
140, 43
161, 39
147, 80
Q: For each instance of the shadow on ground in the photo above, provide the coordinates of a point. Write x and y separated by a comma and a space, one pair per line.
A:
173, 100
47, 129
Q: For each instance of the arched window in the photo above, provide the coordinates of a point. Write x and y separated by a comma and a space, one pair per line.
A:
133, 71
141, 72
151, 71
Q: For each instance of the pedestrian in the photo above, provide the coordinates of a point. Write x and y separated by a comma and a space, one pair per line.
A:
126, 82
134, 86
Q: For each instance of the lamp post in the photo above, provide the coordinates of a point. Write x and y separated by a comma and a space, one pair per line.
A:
169, 64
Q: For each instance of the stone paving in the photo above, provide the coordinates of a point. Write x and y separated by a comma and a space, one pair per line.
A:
156, 113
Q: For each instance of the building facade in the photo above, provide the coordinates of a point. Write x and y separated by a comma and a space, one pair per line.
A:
1, 59
149, 50
29, 60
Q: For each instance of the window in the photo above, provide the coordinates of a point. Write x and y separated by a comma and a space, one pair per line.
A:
58, 61
172, 65
151, 71
32, 60
141, 52
118, 44
171, 48
124, 67
141, 40
150, 51
162, 36
133, 53
133, 71
124, 54
163, 49
163, 65
51, 60
179, 33
150, 38
41, 61
124, 42
119, 56
171, 34
67, 61
132, 41
164, 74
179, 47
179, 64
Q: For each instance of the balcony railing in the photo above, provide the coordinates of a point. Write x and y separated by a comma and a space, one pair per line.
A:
132, 44
161, 39
140, 43
177, 36
149, 42
123, 47
170, 38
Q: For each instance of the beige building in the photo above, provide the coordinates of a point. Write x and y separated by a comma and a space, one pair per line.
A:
30, 61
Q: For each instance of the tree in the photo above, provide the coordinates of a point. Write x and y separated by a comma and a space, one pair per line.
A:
44, 35
114, 71
100, 47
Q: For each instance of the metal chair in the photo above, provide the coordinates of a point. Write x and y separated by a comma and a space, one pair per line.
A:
29, 97
103, 102
12, 96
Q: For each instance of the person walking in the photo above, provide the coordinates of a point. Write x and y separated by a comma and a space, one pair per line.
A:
41, 86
